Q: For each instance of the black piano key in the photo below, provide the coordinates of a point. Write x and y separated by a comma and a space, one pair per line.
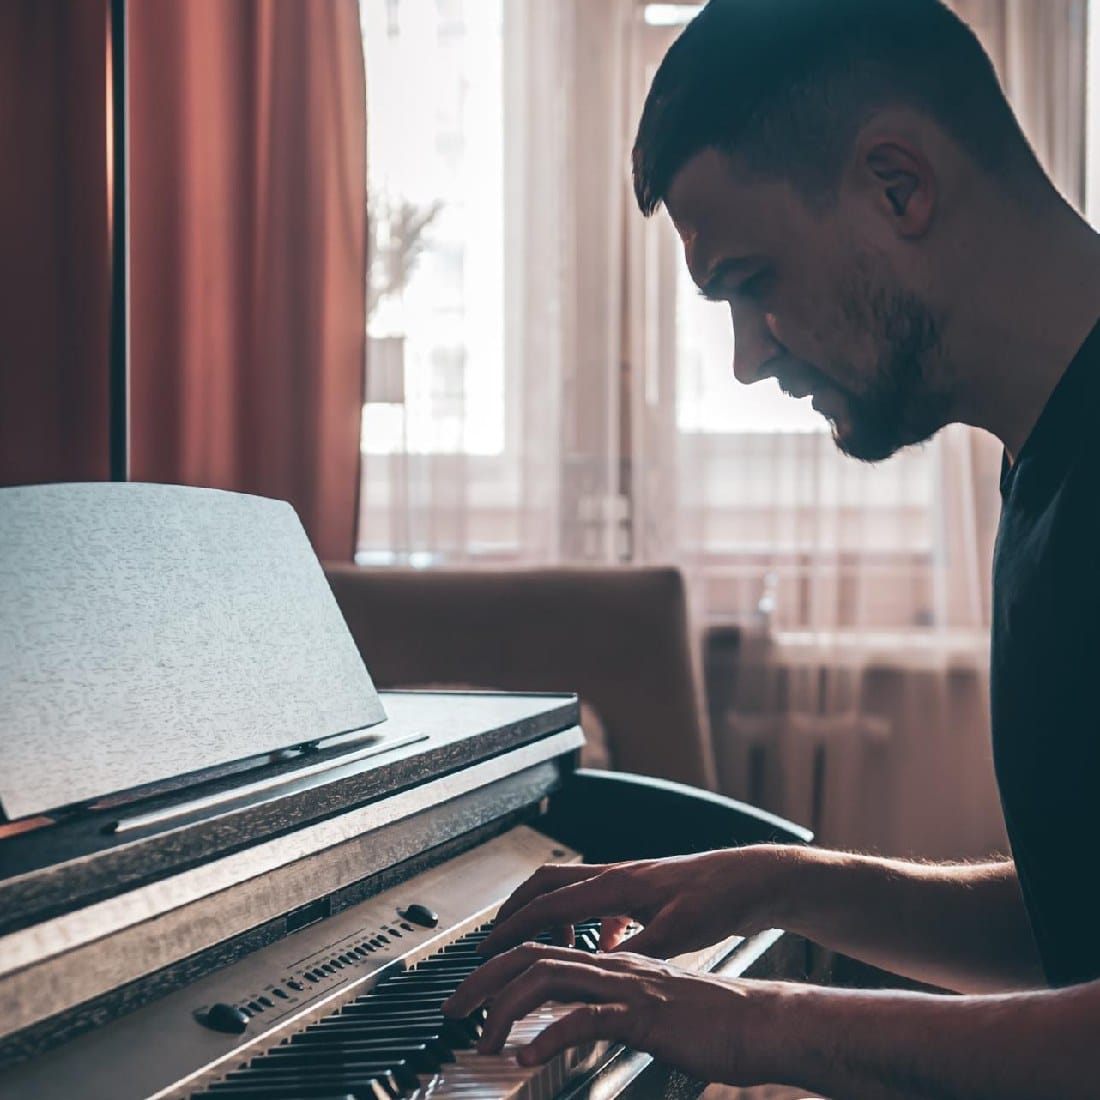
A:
425, 1054
366, 1089
395, 1072
418, 1026
439, 964
418, 979
454, 1034
419, 1029
398, 1077
441, 982
421, 1057
247, 1092
407, 1002
361, 1020
453, 962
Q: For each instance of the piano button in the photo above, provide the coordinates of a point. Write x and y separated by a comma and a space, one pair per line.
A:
267, 1002
226, 1017
337, 963
366, 945
408, 927
281, 993
296, 986
328, 968
394, 932
255, 1006
420, 914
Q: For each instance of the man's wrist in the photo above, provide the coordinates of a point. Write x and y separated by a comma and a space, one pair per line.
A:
789, 875
780, 1043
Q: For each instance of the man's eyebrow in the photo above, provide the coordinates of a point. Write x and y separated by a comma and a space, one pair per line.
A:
711, 286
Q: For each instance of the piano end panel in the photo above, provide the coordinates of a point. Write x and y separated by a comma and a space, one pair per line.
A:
611, 816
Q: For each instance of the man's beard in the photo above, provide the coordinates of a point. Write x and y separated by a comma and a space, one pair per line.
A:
900, 405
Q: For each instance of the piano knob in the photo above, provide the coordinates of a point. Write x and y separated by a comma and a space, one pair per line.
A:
420, 914
225, 1017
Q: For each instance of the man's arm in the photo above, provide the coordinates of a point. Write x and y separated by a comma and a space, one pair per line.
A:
897, 1046
840, 1043
959, 927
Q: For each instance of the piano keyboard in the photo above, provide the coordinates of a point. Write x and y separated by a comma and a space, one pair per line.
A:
393, 1043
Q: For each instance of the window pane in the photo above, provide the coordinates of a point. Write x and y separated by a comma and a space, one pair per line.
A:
435, 182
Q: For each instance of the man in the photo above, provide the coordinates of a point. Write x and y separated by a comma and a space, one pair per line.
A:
848, 177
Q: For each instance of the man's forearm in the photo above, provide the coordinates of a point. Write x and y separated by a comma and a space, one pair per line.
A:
959, 927
852, 1045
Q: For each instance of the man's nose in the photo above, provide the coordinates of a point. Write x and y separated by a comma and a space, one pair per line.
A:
753, 347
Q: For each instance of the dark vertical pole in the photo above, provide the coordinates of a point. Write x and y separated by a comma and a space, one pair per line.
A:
120, 248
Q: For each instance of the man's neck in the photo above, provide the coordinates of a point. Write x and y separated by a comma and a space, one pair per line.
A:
1028, 310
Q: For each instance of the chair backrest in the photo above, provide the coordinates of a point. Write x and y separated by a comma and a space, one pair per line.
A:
618, 637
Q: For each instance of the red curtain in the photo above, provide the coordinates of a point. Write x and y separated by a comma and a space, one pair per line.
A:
54, 242
249, 251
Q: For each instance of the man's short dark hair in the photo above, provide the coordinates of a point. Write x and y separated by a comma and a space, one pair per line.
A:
787, 84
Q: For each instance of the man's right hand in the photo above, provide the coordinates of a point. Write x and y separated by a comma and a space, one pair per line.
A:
684, 902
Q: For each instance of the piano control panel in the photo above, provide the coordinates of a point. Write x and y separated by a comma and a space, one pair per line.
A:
327, 968
285, 987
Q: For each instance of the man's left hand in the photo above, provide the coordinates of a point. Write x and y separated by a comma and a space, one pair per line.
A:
714, 1029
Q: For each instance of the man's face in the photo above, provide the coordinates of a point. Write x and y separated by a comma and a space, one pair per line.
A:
815, 303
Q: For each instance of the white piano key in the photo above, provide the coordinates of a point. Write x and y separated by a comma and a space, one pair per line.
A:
500, 1077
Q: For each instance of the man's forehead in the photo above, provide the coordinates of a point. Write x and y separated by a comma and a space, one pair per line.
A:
720, 210
711, 208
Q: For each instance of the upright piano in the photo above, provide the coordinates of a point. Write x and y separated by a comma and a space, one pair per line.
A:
230, 867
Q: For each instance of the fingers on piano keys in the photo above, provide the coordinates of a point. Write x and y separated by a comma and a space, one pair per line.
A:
394, 1043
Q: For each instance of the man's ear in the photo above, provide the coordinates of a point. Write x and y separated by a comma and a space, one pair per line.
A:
902, 183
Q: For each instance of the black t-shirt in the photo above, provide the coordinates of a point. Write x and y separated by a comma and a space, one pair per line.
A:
1046, 669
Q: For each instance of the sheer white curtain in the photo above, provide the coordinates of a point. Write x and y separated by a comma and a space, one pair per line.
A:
500, 440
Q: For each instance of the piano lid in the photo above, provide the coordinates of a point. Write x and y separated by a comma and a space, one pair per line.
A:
149, 631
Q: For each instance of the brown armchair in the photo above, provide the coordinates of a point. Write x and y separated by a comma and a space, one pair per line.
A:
618, 637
